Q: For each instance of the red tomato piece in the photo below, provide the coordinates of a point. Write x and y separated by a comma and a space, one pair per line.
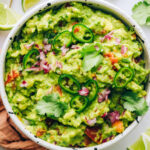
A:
76, 30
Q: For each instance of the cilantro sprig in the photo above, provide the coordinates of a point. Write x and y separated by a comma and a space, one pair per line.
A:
141, 12
134, 103
91, 56
51, 106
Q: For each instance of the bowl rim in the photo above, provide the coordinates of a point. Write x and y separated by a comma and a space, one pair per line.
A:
45, 5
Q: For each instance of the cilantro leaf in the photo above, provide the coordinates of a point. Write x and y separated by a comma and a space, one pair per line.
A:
92, 60
91, 48
51, 106
49, 97
147, 1
141, 11
91, 56
134, 103
148, 21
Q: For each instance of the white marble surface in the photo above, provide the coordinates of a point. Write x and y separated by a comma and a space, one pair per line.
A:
126, 5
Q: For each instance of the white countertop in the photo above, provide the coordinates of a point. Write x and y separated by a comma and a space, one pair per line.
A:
145, 123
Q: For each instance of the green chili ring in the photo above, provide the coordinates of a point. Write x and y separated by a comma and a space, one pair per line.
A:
118, 79
88, 84
82, 33
62, 39
77, 101
28, 55
65, 88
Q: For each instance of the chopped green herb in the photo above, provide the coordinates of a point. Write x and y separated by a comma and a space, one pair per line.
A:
92, 60
134, 103
147, 1
91, 56
141, 12
51, 106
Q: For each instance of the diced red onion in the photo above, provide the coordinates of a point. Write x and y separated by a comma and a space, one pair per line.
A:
64, 50
97, 48
59, 65
108, 139
75, 47
94, 78
42, 55
113, 116
117, 41
37, 56
50, 90
28, 46
23, 84
40, 50
33, 69
104, 115
84, 91
42, 64
91, 122
47, 47
123, 49
45, 41
53, 53
37, 46
100, 97
45, 66
103, 95
137, 59
100, 67
36, 64
107, 36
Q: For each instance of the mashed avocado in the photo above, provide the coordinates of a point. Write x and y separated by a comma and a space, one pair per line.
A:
75, 76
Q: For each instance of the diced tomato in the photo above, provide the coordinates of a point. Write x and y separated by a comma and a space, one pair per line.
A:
76, 30
87, 141
12, 76
13, 86
40, 132
110, 77
93, 134
134, 36
58, 89
109, 54
103, 31
118, 125
74, 23
55, 31
114, 60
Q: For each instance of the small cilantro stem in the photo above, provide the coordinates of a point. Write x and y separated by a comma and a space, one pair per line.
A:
10, 3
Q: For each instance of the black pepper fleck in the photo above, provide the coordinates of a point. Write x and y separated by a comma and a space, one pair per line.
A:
95, 148
137, 120
10, 112
48, 4
134, 26
142, 41
10, 38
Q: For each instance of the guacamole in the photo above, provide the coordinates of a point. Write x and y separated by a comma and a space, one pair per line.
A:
75, 76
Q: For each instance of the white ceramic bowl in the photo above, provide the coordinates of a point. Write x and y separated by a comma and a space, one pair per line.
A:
48, 4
